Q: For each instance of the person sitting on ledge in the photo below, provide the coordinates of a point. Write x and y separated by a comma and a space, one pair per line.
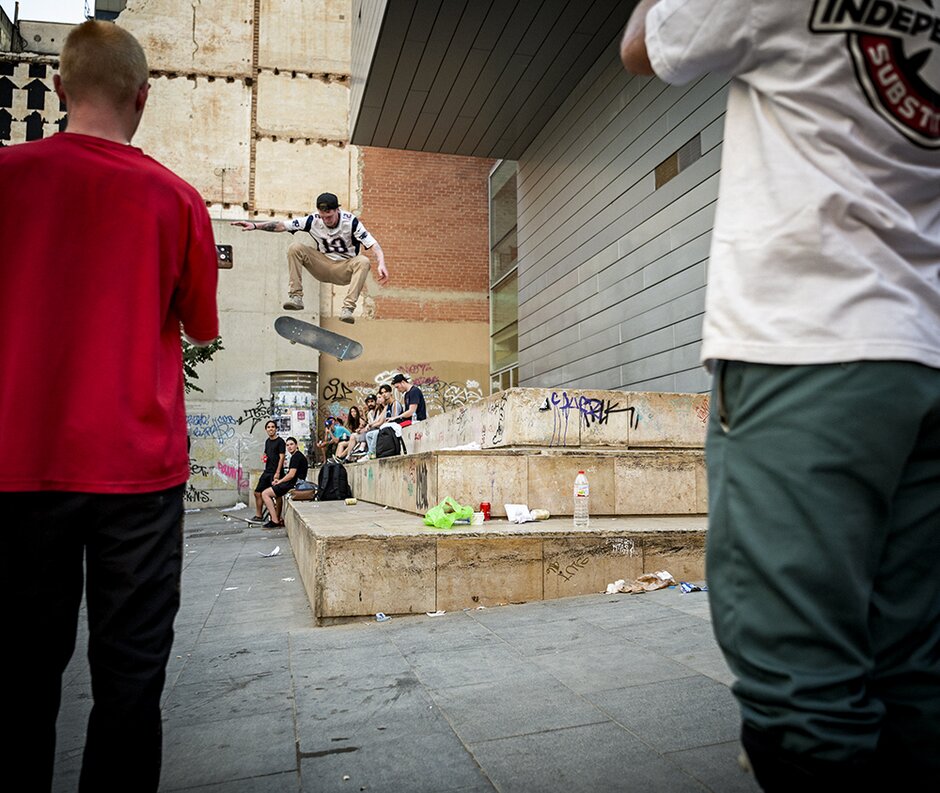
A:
297, 472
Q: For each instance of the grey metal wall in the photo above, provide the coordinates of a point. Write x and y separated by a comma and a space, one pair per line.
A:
611, 269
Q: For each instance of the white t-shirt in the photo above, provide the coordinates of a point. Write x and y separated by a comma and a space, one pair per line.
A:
338, 243
826, 246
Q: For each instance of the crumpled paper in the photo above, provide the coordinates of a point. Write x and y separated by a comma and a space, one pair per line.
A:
518, 513
647, 582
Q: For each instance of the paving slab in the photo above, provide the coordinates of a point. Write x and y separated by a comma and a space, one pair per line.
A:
588, 693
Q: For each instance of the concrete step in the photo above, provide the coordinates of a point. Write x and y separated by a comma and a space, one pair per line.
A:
623, 482
362, 559
554, 418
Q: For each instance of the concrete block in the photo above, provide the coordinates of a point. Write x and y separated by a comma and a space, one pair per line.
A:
472, 478
302, 107
289, 176
658, 483
178, 35
582, 565
359, 576
665, 420
487, 571
200, 130
568, 419
309, 36
682, 555
551, 482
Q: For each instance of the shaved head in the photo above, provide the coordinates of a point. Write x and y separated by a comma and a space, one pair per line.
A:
101, 61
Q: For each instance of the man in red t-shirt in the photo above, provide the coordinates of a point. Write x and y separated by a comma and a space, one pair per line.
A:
106, 254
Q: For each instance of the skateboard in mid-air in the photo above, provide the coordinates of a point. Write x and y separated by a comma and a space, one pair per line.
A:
296, 331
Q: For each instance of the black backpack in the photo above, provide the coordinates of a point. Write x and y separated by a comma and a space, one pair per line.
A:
333, 483
388, 444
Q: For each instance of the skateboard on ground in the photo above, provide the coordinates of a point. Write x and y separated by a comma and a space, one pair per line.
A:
230, 516
296, 331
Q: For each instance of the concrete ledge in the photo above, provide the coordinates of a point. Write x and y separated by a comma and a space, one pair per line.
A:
661, 482
568, 419
359, 560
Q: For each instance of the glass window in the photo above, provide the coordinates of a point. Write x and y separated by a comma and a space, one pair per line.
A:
504, 286
503, 246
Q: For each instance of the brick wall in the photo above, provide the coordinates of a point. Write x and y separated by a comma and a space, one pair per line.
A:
429, 213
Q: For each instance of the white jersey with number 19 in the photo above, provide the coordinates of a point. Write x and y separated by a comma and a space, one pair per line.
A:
341, 242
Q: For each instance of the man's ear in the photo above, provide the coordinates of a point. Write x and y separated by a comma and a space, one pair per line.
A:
142, 93
59, 90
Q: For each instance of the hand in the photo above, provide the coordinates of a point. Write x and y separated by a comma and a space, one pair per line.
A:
245, 225
383, 274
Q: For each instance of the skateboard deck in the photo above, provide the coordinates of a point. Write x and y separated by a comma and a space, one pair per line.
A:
229, 516
296, 331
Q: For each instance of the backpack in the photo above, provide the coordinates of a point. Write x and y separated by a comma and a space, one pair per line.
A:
333, 483
388, 443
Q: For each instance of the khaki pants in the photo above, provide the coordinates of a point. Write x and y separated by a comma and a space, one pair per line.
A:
326, 270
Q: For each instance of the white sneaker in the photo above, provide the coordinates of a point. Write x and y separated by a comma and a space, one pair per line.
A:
294, 303
346, 315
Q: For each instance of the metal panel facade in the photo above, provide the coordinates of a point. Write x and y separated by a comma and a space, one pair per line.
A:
612, 269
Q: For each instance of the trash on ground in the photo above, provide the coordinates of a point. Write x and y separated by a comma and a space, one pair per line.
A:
687, 586
435, 613
288, 580
445, 514
235, 508
477, 519
647, 582
350, 502
541, 514
518, 513
380, 617
191, 511
275, 552
230, 589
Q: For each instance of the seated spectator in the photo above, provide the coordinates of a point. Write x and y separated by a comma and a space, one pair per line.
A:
296, 472
333, 432
415, 408
357, 427
387, 410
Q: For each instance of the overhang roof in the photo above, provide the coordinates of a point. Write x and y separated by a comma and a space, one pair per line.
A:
476, 77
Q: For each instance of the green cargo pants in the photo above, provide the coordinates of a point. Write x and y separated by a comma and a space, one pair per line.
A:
824, 559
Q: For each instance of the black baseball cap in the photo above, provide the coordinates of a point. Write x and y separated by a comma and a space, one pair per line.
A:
327, 201
370, 398
399, 378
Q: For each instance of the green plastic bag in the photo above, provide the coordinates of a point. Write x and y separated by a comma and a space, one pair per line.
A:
446, 513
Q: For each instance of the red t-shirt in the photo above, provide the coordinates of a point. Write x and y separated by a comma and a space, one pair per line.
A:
103, 253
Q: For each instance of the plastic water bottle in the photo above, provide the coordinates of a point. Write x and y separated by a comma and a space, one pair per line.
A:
581, 497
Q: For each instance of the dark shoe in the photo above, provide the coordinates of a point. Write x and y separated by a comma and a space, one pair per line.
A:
256, 519
272, 525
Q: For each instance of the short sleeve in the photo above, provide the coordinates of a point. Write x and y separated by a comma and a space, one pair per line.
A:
686, 39
363, 237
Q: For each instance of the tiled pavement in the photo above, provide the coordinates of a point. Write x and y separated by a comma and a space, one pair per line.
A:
594, 693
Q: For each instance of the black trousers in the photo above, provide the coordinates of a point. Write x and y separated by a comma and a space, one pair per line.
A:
132, 551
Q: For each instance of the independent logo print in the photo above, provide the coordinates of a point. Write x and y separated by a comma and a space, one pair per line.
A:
895, 47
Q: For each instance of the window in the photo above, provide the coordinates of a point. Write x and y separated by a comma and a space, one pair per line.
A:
504, 290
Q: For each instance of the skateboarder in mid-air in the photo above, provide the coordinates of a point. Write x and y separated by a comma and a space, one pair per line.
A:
337, 257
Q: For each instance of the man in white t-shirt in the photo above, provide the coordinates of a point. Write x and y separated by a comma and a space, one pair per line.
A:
338, 238
823, 329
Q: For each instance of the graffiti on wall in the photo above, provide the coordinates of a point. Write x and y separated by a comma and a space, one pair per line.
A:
442, 396
581, 410
224, 449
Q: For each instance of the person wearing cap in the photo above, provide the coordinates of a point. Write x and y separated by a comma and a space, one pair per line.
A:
415, 407
337, 257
